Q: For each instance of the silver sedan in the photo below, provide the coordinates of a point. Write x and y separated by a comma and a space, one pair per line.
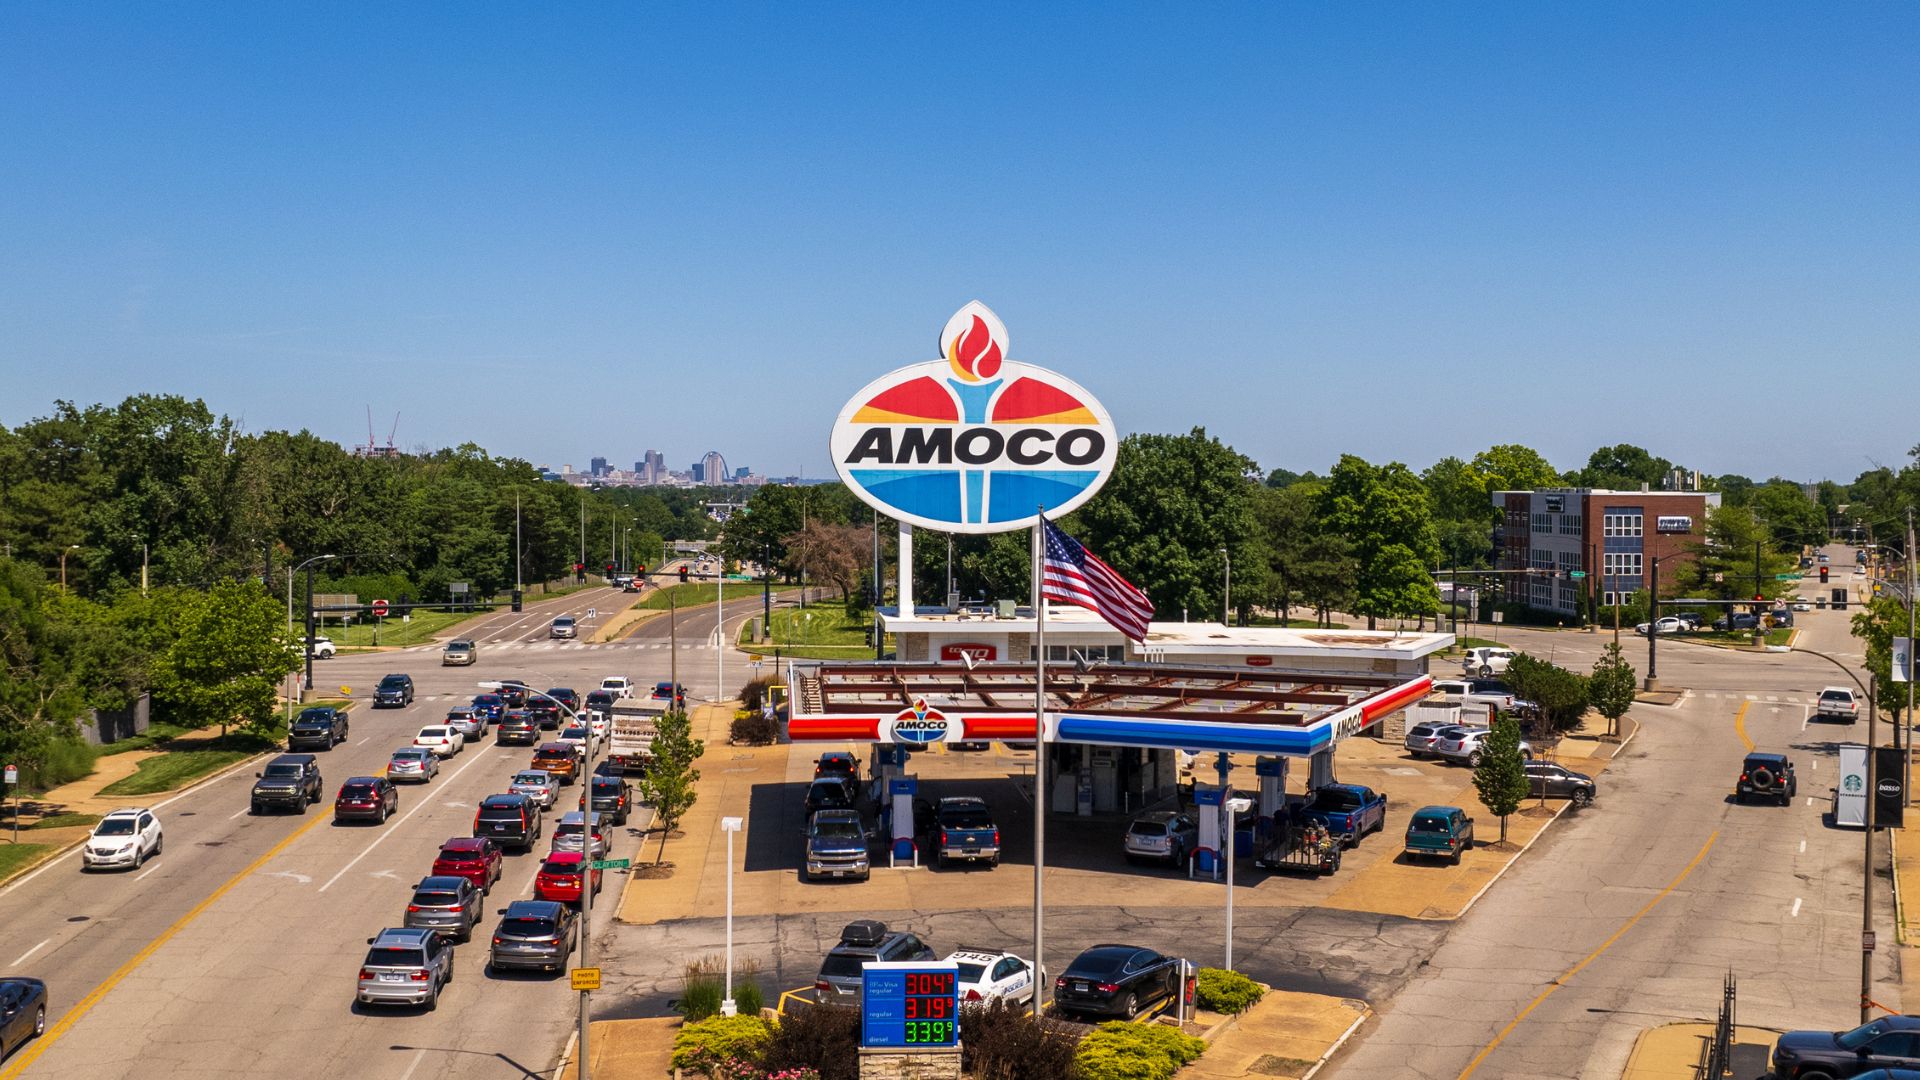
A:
413, 763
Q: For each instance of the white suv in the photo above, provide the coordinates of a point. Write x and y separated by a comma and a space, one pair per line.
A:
1487, 660
323, 648
124, 838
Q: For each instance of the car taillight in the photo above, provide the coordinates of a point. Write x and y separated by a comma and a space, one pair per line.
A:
1743, 778
413, 907
1060, 983
943, 836
1109, 988
996, 838
365, 974
823, 986
417, 976
496, 941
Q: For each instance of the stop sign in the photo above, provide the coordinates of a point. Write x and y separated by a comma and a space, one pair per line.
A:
379, 607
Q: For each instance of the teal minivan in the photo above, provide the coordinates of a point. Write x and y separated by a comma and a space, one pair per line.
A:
1443, 831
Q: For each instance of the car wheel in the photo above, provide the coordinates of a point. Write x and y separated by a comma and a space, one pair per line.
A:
1816, 1074
1786, 798
1130, 1008
433, 1000
254, 809
39, 1021
1581, 797
159, 842
1473, 760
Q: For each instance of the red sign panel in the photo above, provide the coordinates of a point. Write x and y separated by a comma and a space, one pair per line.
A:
1259, 661
379, 607
967, 650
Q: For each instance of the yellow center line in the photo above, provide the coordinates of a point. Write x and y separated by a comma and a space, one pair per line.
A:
1561, 981
1740, 725
40, 1046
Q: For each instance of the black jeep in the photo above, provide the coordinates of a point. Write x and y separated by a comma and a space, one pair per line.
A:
1766, 774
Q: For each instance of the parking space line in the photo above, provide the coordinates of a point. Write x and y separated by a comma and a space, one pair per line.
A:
1563, 978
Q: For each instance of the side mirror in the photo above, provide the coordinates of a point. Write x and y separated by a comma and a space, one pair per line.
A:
257, 776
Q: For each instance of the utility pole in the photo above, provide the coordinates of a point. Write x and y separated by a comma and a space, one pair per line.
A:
1866, 875
1653, 621
583, 532
879, 637
1907, 720
516, 542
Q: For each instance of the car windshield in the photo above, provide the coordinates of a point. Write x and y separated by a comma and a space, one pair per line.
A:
455, 855
1834, 695
837, 827
392, 682
283, 772
1098, 964
394, 957
115, 827
487, 699
459, 644
971, 973
316, 716
1430, 824
1862, 1035
969, 818
538, 779
433, 733
409, 755
1335, 799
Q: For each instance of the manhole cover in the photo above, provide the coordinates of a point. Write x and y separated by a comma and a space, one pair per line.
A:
80, 918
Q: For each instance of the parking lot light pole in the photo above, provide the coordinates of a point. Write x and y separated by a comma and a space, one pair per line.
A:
1234, 808
730, 825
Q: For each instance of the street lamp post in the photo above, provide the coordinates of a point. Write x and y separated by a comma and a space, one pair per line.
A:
1226, 589
1234, 808
730, 825
63, 564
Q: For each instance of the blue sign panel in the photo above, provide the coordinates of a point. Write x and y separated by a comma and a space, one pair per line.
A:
909, 1006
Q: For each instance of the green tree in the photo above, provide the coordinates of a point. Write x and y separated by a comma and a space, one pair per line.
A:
1501, 776
1611, 687
42, 691
1791, 518
1624, 468
227, 661
668, 784
1512, 467
1876, 625
1737, 560
1561, 694
1384, 512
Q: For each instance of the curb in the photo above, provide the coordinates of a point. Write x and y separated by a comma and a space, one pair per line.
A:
1524, 848
1365, 1011
1899, 908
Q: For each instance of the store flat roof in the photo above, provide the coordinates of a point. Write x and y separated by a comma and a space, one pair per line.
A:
1196, 639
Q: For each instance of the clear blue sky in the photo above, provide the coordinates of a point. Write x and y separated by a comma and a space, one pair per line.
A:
1402, 231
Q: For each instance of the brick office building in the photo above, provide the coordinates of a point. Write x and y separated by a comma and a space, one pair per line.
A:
1610, 536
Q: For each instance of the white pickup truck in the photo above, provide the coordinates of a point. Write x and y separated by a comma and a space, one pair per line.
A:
634, 725
1838, 703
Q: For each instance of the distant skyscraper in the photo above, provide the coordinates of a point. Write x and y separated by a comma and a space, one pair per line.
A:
741, 473
656, 470
713, 468
698, 472
599, 466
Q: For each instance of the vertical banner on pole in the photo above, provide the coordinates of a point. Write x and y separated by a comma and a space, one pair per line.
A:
1902, 659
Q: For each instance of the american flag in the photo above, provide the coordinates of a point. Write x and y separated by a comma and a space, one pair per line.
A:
1070, 574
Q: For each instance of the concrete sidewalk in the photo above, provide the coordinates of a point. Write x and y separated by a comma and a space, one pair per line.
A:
1674, 1052
1285, 1034
627, 1049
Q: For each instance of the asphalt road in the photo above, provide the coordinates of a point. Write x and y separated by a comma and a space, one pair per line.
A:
1629, 914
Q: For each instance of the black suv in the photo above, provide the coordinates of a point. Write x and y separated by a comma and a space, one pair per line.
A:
322, 727
508, 820
862, 942
1891, 1042
1769, 775
290, 780
520, 728
395, 690
611, 796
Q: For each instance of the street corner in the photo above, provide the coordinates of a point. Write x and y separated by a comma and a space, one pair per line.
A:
1285, 1033
626, 1048
1675, 1051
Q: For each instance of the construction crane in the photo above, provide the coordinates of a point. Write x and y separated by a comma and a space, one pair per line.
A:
375, 450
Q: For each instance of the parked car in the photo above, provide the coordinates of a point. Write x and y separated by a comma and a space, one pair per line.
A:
536, 784
461, 718
558, 758
394, 690
830, 793
413, 763
1161, 834
1546, 779
459, 652
508, 820
564, 626
987, 974
1348, 811
1421, 736
1769, 775
1445, 831
448, 905
836, 847
838, 763
1889, 1042
619, 686
475, 858
1740, 620
320, 727
1116, 981
1487, 660
1780, 616
490, 707
560, 875
535, 934
862, 942
611, 796
23, 1012
322, 648
405, 967
1668, 624
963, 830
573, 830
518, 728
1838, 703
290, 781
441, 740
1689, 620
1480, 692
124, 839
1464, 746
366, 798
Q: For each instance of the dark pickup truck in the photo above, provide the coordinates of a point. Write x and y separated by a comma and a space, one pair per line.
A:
1348, 811
963, 830
836, 846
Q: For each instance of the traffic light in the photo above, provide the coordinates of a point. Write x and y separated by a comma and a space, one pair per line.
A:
516, 599
683, 572
641, 570
609, 568
1823, 575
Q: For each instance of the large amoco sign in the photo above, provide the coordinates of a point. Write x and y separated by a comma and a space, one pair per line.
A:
973, 443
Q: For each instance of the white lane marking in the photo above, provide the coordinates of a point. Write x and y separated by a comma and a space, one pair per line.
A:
417, 1059
147, 871
299, 879
1809, 800
1796, 907
237, 813
1773, 697
30, 952
386, 831
1803, 847
364, 741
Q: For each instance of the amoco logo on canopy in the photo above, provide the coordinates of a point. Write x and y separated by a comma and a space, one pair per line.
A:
975, 442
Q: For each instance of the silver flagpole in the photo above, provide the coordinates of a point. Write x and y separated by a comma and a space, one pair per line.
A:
1039, 767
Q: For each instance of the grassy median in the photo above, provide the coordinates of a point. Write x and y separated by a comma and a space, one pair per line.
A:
13, 857
178, 768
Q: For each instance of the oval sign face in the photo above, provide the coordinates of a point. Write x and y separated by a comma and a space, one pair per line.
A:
918, 726
974, 443
1888, 788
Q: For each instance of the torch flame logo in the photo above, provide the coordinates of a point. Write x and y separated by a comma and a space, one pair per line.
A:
974, 342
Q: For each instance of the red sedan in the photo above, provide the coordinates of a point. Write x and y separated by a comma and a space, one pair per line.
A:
559, 878
475, 858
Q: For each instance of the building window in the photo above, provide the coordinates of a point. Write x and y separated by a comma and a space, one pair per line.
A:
1620, 564
1622, 524
1609, 598
1572, 525
1543, 523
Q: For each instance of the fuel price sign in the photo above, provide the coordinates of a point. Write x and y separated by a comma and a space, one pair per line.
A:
910, 1006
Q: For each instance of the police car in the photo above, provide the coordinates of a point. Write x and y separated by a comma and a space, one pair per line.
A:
989, 973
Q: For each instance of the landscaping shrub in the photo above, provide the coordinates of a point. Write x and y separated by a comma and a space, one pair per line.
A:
1000, 1041
821, 1038
64, 761
752, 729
1226, 991
702, 987
746, 989
754, 691
703, 1045
1122, 1050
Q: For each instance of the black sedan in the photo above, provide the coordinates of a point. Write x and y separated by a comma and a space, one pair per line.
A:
1116, 980
23, 1012
1559, 782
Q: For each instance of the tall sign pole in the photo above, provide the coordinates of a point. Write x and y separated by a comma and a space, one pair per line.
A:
1040, 806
